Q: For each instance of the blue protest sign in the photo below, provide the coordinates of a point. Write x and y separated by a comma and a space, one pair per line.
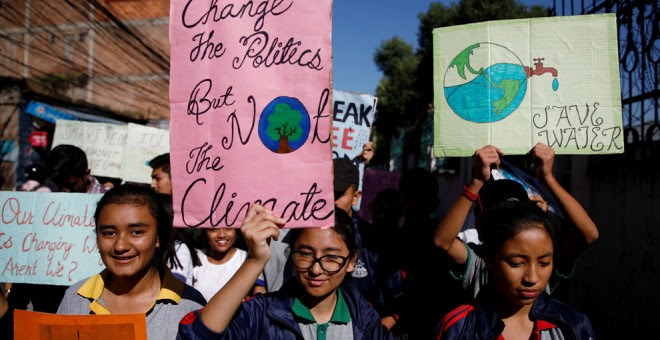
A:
47, 238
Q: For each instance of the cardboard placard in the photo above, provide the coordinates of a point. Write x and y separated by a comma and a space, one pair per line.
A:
250, 111
515, 83
44, 326
48, 238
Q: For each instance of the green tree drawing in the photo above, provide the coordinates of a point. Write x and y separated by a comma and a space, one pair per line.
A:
284, 125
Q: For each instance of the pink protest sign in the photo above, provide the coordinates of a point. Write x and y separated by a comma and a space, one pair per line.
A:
250, 111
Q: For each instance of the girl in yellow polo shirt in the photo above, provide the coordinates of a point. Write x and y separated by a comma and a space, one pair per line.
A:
132, 233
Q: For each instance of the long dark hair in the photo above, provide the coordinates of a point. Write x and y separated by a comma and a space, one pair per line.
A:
142, 196
343, 227
180, 234
509, 218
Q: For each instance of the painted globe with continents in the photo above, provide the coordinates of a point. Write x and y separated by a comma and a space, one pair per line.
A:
485, 83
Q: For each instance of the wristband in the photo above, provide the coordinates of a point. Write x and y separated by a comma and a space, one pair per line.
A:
469, 195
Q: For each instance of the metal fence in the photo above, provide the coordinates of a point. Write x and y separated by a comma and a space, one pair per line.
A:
638, 24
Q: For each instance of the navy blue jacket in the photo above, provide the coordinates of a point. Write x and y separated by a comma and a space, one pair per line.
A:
269, 316
481, 322
376, 276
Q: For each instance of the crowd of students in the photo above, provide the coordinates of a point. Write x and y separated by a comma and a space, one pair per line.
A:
400, 276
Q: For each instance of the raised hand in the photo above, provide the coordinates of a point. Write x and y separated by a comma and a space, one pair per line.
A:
543, 158
486, 158
367, 152
259, 226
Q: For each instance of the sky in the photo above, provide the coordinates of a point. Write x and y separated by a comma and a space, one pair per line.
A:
359, 27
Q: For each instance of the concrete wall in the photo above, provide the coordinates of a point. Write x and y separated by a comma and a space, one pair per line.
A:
617, 280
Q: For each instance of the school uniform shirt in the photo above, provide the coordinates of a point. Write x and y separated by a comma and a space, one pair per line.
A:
274, 316
209, 278
174, 301
338, 327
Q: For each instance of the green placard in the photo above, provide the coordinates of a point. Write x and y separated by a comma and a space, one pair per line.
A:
515, 83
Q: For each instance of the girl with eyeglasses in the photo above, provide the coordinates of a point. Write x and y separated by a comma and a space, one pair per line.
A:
313, 306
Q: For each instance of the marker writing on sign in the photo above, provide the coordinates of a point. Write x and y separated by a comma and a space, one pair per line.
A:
74, 267
191, 16
199, 103
12, 213
266, 52
210, 49
228, 142
6, 243
568, 126
57, 216
32, 242
323, 102
18, 269
223, 212
198, 160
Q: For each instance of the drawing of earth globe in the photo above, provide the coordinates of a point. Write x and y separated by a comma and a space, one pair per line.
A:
485, 83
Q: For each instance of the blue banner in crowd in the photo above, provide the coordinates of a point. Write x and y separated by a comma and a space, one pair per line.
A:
47, 112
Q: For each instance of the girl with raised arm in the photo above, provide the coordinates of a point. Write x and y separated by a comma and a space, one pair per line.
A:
313, 306
219, 262
518, 245
482, 192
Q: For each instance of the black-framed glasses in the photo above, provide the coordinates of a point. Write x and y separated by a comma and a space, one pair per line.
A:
329, 263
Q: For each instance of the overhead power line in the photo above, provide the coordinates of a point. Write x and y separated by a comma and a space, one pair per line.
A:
145, 64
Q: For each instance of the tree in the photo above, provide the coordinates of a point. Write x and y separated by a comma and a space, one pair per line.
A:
405, 91
284, 125
463, 12
396, 91
396, 59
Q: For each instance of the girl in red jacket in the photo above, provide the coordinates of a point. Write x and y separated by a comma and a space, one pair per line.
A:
518, 246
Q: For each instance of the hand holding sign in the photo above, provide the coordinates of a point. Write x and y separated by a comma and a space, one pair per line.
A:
543, 158
367, 152
486, 158
259, 227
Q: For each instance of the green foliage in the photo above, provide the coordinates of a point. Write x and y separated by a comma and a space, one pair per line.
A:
406, 89
284, 122
460, 13
396, 90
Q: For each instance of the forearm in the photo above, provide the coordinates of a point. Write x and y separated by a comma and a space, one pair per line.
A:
576, 213
452, 222
219, 311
